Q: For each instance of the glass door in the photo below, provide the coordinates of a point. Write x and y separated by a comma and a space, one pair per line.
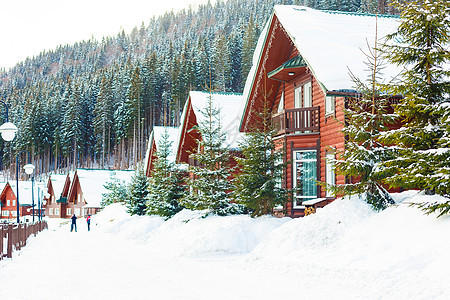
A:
305, 176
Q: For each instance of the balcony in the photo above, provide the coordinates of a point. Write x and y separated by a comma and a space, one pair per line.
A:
297, 120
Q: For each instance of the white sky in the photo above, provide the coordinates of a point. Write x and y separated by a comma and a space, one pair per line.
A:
27, 27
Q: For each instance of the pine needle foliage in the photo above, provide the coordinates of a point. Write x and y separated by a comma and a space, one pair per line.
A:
366, 119
420, 46
258, 185
117, 193
166, 183
210, 183
137, 193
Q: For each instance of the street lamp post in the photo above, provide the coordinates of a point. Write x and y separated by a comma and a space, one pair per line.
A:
8, 130
29, 168
32, 195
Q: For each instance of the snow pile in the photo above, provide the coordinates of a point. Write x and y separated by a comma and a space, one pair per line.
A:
114, 219
303, 236
347, 234
188, 233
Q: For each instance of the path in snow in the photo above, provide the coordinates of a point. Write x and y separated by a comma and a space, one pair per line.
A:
58, 264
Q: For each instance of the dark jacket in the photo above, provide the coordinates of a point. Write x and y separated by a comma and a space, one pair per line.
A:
74, 219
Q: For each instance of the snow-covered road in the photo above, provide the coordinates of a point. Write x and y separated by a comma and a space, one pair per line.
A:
58, 264
346, 251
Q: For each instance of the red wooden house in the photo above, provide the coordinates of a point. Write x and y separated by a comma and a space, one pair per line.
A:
80, 192
192, 116
153, 143
9, 200
301, 67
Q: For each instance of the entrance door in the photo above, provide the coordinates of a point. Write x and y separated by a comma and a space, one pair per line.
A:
305, 176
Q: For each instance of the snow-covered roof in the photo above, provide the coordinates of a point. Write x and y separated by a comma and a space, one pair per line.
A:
229, 104
25, 191
157, 135
331, 43
92, 183
58, 181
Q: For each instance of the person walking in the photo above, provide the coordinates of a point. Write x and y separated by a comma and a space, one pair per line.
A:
88, 220
74, 223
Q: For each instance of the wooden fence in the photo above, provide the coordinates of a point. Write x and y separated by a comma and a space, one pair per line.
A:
16, 235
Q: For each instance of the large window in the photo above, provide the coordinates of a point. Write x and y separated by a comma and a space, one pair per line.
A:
305, 176
5, 213
329, 106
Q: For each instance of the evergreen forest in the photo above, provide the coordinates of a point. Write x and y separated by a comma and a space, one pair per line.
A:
94, 103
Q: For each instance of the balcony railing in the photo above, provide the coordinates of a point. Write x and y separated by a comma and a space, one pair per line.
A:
297, 120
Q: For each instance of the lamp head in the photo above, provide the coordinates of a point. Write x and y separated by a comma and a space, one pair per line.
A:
8, 131
29, 168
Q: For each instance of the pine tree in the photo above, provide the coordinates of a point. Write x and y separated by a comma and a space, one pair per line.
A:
166, 183
258, 185
423, 141
117, 193
366, 121
137, 193
210, 178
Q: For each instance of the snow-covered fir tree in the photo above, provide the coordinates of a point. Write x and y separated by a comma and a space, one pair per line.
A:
137, 193
117, 193
367, 118
259, 184
166, 183
420, 46
210, 185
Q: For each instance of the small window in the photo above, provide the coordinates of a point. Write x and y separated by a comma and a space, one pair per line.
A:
50, 211
8, 202
14, 203
57, 211
329, 105
5, 213
330, 176
69, 211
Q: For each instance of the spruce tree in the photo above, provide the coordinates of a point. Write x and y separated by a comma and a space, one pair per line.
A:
366, 121
258, 185
117, 193
166, 183
423, 141
210, 183
137, 193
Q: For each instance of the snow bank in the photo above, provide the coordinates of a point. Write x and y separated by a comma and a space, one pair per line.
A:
347, 234
301, 236
188, 233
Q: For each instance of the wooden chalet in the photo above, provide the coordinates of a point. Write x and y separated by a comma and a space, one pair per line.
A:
192, 116
58, 187
80, 192
301, 67
8, 200
155, 137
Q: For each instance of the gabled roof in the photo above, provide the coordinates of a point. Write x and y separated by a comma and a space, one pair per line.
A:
332, 43
59, 182
25, 191
329, 43
92, 183
156, 137
228, 103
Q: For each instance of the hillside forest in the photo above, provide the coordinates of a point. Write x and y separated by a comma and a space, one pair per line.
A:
93, 104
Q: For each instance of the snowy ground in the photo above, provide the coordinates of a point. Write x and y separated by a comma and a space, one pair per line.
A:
344, 251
